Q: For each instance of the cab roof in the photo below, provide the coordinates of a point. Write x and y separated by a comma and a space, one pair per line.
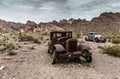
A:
61, 31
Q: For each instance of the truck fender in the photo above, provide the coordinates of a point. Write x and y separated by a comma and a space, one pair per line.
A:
83, 46
59, 48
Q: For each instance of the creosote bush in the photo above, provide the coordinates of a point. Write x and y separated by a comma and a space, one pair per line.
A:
113, 38
31, 47
45, 33
79, 34
108, 36
116, 40
6, 45
28, 37
112, 50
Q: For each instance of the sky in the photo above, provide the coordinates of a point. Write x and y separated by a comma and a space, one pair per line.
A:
48, 10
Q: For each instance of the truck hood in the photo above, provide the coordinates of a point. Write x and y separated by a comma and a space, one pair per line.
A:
98, 36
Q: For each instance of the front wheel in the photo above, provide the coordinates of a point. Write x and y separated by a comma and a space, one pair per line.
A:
77, 59
96, 40
49, 51
86, 39
88, 59
55, 57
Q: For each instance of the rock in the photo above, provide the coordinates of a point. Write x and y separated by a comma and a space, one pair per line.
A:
11, 52
2, 67
6, 58
6, 26
105, 55
2, 48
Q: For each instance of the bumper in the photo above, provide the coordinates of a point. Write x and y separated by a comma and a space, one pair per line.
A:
73, 55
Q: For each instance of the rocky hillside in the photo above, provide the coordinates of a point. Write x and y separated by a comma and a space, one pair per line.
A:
105, 23
7, 26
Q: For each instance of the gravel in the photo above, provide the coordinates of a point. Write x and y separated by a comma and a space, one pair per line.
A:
36, 64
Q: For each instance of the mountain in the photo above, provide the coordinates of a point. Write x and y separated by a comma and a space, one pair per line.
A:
105, 23
7, 26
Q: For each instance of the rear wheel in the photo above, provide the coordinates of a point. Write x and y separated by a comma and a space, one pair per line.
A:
96, 40
55, 57
88, 59
104, 40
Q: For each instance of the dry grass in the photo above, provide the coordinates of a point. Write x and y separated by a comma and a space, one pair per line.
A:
113, 38
6, 45
29, 37
112, 50
116, 40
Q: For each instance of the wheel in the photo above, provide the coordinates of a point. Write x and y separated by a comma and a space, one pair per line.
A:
49, 51
96, 40
88, 59
77, 59
86, 39
55, 57
104, 40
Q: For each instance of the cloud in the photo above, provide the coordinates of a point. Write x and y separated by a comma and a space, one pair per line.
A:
48, 10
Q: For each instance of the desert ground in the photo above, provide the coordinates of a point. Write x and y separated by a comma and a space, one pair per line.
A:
36, 64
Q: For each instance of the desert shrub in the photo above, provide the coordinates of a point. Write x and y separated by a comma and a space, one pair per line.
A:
41, 37
28, 37
10, 52
45, 33
6, 45
109, 36
35, 40
113, 38
116, 36
112, 50
116, 40
3, 40
78, 35
25, 37
31, 47
9, 45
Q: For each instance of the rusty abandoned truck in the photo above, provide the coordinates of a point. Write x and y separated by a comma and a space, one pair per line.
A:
62, 46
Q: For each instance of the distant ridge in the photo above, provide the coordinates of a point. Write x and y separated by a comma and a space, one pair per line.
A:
105, 23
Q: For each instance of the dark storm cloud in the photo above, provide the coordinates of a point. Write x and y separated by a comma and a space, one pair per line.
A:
48, 10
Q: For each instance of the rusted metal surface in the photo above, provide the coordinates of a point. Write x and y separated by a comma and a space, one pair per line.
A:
64, 46
83, 46
59, 48
74, 54
70, 55
71, 45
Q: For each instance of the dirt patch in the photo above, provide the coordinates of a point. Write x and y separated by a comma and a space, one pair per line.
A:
36, 64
